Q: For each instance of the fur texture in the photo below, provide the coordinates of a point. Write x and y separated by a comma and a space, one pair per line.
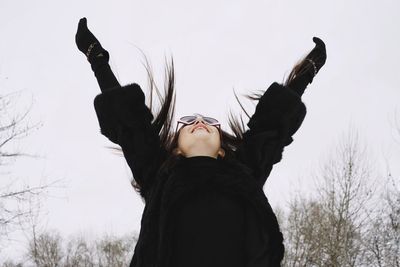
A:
125, 120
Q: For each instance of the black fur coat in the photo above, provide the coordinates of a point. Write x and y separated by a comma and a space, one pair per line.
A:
125, 120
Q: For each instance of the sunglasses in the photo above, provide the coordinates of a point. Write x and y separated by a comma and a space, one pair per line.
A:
188, 120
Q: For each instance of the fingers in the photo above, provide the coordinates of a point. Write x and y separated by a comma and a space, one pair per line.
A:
82, 23
83, 35
318, 41
83, 20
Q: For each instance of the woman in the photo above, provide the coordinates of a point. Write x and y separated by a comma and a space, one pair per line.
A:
202, 187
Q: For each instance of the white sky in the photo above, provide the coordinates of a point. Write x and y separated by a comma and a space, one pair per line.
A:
217, 46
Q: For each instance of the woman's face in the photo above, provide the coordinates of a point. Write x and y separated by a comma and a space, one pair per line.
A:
199, 139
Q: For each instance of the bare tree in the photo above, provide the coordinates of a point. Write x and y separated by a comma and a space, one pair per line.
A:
79, 253
113, 251
327, 230
302, 237
45, 250
10, 263
382, 241
49, 249
19, 201
14, 196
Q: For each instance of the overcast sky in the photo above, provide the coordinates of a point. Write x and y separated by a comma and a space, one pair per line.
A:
217, 46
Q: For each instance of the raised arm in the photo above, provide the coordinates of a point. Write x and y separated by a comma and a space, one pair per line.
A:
122, 114
278, 115
97, 56
125, 120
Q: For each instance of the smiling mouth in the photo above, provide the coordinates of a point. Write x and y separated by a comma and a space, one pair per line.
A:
200, 127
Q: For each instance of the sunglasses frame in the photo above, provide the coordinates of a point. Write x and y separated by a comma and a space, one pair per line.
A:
217, 124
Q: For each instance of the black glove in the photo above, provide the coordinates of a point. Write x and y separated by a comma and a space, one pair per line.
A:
89, 45
317, 56
304, 73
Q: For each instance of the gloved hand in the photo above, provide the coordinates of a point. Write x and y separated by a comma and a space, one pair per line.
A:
317, 55
89, 45
304, 72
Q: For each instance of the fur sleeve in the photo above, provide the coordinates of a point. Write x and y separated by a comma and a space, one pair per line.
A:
126, 121
278, 115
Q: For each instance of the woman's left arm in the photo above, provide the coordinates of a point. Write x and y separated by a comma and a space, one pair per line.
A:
278, 115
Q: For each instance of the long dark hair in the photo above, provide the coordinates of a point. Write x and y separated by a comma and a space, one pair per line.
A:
164, 116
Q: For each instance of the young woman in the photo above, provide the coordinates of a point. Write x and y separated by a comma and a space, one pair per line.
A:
202, 187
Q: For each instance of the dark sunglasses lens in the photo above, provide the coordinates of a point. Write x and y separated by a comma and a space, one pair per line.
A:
210, 120
188, 119
192, 119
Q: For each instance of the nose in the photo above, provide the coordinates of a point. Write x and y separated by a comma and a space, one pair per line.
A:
199, 119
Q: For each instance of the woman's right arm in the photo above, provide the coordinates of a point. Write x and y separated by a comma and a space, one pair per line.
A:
125, 120
97, 56
122, 114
